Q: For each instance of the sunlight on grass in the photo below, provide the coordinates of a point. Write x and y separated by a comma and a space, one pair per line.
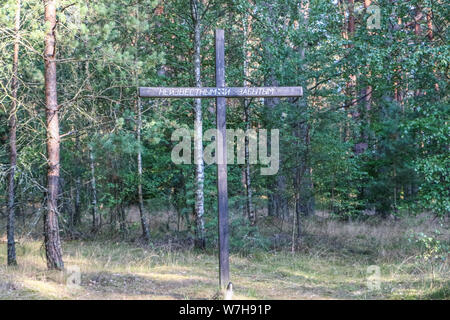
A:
120, 270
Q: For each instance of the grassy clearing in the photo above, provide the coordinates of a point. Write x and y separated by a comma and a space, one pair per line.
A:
331, 264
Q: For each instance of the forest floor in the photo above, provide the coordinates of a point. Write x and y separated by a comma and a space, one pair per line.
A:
332, 262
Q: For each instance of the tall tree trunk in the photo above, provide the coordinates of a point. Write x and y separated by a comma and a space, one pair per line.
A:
306, 184
430, 24
367, 103
96, 219
52, 240
122, 220
12, 144
278, 201
297, 213
198, 132
248, 188
77, 214
418, 33
93, 189
145, 231
430, 35
304, 196
351, 83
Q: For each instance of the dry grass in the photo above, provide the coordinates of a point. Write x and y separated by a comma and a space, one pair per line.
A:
388, 239
331, 264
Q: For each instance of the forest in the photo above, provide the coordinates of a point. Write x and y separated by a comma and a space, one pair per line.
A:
94, 205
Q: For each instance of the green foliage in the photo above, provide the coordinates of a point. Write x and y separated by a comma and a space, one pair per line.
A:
431, 130
432, 249
244, 238
106, 49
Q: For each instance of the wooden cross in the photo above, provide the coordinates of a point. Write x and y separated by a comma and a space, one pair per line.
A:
221, 92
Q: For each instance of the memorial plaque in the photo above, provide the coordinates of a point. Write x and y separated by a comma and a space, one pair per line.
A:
215, 92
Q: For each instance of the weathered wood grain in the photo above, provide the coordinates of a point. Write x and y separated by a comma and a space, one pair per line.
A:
222, 188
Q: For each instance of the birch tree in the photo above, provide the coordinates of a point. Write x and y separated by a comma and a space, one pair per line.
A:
198, 129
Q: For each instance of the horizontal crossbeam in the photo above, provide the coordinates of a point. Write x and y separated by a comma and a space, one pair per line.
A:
214, 92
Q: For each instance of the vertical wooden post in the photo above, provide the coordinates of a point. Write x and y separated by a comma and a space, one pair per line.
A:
224, 267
